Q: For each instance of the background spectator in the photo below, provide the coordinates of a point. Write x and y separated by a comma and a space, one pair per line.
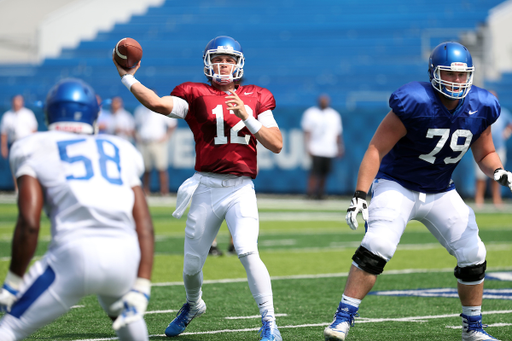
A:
16, 124
501, 130
123, 123
153, 132
323, 137
104, 118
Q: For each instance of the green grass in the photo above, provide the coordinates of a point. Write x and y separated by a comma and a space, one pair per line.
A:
308, 260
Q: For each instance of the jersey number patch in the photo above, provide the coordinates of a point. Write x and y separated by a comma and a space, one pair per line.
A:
221, 137
454, 144
87, 163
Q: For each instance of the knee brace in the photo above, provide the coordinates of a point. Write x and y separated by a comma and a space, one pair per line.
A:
368, 261
472, 273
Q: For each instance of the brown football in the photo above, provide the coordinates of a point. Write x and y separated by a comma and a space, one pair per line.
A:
128, 52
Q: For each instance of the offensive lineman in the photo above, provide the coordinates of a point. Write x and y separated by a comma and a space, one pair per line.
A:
410, 161
102, 233
227, 119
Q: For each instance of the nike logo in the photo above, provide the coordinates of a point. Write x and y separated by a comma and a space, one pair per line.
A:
473, 112
247, 93
261, 304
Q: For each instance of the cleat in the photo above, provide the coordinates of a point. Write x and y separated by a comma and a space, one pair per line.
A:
215, 251
473, 330
231, 249
186, 314
269, 331
343, 320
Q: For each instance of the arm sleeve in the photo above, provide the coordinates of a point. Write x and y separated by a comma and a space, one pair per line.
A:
179, 109
18, 161
267, 119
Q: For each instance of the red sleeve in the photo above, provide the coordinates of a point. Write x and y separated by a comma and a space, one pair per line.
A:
267, 101
183, 91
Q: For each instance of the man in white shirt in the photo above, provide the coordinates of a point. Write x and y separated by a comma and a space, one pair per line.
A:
152, 135
123, 123
323, 138
16, 124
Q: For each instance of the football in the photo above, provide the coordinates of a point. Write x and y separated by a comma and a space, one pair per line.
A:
128, 52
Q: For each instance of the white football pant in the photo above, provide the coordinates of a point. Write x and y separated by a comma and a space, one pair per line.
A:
217, 199
106, 266
445, 215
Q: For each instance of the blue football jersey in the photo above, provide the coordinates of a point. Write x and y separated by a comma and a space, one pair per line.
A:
437, 139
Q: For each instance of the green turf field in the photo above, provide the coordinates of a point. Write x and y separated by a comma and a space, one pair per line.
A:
307, 248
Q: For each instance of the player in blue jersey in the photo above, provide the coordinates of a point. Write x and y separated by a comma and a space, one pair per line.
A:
408, 164
102, 234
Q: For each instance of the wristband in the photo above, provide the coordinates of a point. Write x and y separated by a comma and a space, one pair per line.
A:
13, 280
142, 285
360, 195
128, 80
253, 125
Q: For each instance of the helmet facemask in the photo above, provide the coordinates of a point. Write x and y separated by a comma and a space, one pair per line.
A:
236, 69
449, 89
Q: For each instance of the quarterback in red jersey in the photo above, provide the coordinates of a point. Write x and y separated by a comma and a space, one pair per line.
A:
227, 120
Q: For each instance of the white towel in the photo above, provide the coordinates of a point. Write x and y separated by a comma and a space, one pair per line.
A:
185, 193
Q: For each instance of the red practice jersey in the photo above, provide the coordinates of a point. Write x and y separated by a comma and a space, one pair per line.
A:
224, 145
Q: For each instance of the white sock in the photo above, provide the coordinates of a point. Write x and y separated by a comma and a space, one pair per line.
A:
259, 284
472, 311
135, 331
193, 287
350, 301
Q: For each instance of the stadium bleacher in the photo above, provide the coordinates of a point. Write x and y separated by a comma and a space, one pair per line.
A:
297, 48
357, 51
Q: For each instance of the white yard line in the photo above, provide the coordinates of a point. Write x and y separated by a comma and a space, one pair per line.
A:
332, 275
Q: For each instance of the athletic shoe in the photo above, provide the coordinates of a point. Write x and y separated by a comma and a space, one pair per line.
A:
269, 331
473, 330
231, 249
343, 320
215, 251
183, 318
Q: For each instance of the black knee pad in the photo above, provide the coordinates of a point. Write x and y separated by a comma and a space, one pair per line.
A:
472, 273
369, 262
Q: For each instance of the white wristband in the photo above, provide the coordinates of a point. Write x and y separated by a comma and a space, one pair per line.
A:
128, 80
253, 125
143, 285
13, 280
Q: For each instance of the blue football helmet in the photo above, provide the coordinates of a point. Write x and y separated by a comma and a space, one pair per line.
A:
223, 45
71, 105
451, 56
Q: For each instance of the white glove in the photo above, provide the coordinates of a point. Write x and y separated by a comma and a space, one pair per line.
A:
132, 305
357, 204
503, 177
9, 291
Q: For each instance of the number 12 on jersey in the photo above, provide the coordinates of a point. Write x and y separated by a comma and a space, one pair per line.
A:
221, 137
